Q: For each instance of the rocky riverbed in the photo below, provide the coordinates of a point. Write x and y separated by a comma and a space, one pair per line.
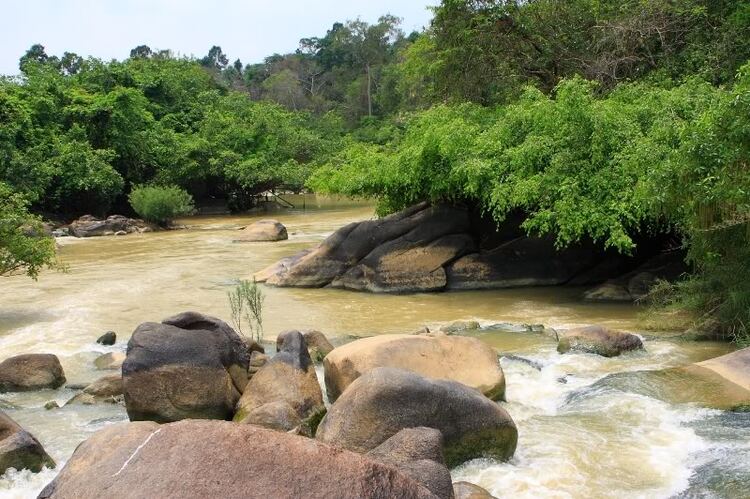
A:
587, 425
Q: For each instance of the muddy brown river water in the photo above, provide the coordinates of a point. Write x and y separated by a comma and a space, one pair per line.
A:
579, 434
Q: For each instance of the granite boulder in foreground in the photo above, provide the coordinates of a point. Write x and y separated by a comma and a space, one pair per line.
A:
206, 459
386, 400
187, 366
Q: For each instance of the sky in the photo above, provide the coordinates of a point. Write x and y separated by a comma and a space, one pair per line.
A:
245, 29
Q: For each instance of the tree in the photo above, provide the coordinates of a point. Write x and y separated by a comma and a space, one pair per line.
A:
215, 59
23, 247
142, 51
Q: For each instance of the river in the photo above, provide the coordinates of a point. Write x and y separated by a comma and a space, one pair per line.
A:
579, 436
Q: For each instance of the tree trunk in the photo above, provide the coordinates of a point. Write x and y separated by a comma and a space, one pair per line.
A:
369, 91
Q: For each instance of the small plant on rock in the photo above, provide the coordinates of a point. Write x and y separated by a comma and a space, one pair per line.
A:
246, 305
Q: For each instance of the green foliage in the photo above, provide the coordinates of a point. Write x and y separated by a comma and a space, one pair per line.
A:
246, 306
159, 204
23, 247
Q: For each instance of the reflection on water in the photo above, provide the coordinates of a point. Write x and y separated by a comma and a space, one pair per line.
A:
577, 438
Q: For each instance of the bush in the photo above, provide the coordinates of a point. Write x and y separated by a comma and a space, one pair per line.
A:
246, 304
160, 204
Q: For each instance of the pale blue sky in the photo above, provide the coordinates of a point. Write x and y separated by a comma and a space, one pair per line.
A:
248, 29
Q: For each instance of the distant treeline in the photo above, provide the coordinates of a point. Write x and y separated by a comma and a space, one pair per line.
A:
599, 119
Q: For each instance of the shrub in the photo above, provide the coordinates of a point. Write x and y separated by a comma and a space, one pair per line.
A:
246, 304
160, 204
23, 247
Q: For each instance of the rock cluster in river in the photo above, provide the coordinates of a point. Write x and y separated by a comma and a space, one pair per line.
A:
90, 226
285, 390
434, 248
392, 432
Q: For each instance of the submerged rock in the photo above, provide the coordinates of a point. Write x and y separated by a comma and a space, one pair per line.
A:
287, 379
19, 449
108, 389
29, 372
598, 340
459, 327
194, 458
466, 490
263, 230
110, 361
109, 338
187, 366
466, 360
384, 401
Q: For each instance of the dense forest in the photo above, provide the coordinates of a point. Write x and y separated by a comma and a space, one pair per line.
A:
598, 119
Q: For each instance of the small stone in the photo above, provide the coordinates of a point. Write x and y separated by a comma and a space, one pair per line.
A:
109, 338
52, 404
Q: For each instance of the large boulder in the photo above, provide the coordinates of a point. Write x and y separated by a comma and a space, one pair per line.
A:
29, 372
411, 263
187, 366
90, 226
263, 230
598, 340
402, 252
220, 459
19, 449
288, 378
385, 400
464, 359
523, 261
107, 389
418, 452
